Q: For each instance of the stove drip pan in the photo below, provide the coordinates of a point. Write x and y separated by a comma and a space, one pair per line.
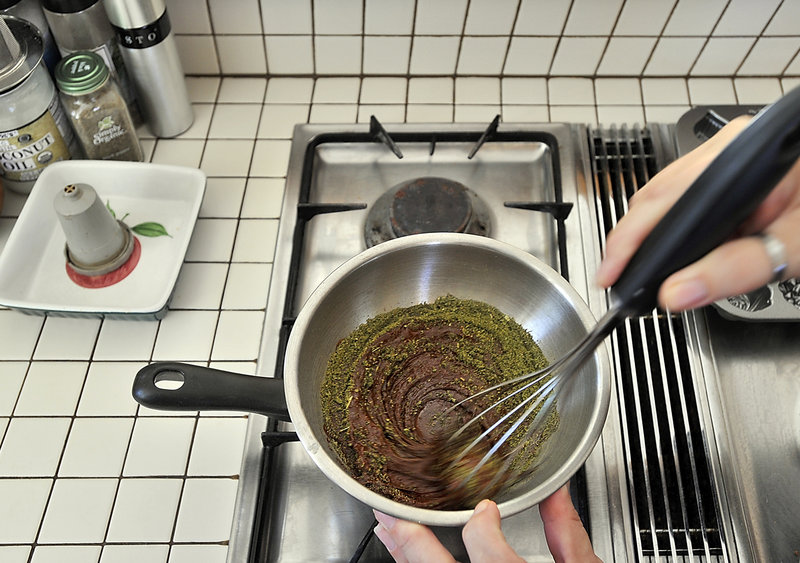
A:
429, 204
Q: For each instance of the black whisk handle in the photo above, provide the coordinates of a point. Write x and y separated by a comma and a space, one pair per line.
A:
716, 204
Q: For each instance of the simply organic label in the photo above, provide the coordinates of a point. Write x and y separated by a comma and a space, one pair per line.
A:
107, 131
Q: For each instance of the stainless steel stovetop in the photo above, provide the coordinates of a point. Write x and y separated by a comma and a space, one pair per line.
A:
660, 482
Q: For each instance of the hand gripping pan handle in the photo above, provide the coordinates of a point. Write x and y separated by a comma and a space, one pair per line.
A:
721, 198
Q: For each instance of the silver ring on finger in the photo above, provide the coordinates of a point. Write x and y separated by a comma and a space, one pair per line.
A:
776, 251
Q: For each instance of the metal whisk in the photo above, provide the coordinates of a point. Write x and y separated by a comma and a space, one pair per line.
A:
546, 384
707, 214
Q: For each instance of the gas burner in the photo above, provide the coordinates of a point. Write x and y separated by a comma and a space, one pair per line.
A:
426, 205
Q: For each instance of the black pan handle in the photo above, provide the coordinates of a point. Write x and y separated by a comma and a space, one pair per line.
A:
714, 206
202, 388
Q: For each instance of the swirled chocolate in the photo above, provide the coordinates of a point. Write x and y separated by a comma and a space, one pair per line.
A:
390, 383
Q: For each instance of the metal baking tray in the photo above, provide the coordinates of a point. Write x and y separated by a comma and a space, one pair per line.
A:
778, 301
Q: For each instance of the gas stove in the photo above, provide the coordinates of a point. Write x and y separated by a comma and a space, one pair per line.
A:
356, 187
652, 488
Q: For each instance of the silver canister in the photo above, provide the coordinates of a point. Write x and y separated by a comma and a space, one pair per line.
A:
148, 48
97, 243
31, 11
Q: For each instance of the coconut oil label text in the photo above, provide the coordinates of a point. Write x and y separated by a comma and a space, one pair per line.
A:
25, 151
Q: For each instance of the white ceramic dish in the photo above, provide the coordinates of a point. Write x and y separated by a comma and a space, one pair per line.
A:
33, 275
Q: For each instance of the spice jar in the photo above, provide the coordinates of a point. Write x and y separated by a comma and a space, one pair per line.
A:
33, 130
96, 109
82, 25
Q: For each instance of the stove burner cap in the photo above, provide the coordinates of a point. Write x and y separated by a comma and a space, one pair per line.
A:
428, 204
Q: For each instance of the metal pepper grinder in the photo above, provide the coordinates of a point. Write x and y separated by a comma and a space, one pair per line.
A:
148, 48
97, 243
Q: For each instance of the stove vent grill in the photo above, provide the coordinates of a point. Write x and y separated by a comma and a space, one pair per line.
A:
673, 506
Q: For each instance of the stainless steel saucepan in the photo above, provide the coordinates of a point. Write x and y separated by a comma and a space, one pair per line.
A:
400, 273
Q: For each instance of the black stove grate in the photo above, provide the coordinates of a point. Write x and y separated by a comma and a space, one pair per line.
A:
673, 505
306, 211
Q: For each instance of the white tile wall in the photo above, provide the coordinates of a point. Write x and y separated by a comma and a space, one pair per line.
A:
389, 17
721, 56
770, 56
643, 17
521, 91
743, 17
785, 20
78, 511
386, 55
234, 17
482, 55
96, 447
145, 510
674, 56
577, 56
626, 56
592, 17
24, 502
617, 91
694, 18
490, 17
487, 37
530, 56
440, 17
434, 55
536, 17
230, 48
477, 91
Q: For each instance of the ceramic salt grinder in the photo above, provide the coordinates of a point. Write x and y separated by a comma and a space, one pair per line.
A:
97, 243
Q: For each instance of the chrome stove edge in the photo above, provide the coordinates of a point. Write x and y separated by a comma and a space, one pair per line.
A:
716, 434
608, 538
611, 526
253, 455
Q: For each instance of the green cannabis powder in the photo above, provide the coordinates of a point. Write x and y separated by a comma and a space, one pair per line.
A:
389, 383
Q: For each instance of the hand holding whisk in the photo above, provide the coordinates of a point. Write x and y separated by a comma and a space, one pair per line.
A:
708, 213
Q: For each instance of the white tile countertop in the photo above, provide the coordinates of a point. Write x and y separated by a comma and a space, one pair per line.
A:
86, 474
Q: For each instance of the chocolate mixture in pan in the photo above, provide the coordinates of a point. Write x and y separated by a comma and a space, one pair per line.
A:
390, 379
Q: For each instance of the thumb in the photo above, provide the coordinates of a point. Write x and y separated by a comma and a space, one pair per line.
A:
484, 539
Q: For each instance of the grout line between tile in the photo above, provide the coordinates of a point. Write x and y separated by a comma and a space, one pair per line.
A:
263, 40
508, 45
707, 39
560, 37
501, 76
460, 39
608, 39
658, 40
214, 35
313, 40
791, 60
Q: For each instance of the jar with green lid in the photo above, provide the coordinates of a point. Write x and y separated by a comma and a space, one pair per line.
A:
96, 108
34, 132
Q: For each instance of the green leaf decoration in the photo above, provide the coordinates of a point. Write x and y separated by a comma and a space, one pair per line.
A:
150, 229
146, 229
